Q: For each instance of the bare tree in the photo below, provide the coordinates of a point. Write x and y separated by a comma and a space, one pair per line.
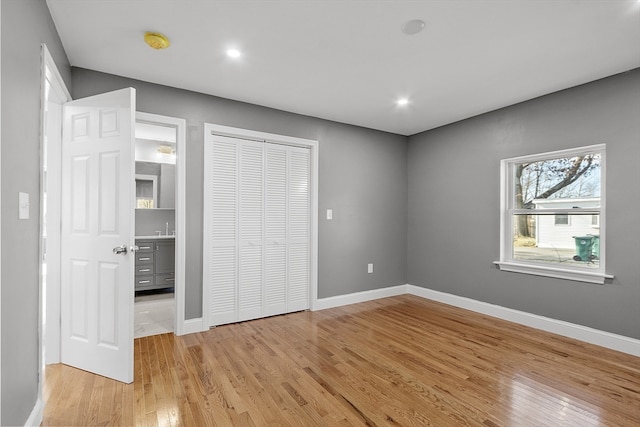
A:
543, 179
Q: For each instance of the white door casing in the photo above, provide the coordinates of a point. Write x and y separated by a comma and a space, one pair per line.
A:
97, 290
181, 325
54, 96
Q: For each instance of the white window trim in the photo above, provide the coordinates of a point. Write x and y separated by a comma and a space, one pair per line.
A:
508, 263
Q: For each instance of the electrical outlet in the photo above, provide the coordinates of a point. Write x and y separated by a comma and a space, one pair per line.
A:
369, 268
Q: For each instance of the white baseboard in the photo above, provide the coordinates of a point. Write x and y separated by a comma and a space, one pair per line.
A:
593, 336
35, 418
191, 326
560, 327
340, 300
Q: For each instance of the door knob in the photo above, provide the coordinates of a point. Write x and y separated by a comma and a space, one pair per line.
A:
122, 249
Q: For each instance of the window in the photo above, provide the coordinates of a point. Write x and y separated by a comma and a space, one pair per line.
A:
552, 214
562, 219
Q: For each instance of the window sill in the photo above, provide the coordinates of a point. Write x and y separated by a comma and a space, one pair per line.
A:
558, 273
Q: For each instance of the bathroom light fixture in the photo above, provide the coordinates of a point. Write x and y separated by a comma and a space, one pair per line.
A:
165, 149
402, 102
233, 53
156, 40
413, 27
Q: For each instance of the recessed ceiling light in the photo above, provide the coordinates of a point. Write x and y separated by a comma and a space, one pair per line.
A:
413, 27
233, 53
402, 102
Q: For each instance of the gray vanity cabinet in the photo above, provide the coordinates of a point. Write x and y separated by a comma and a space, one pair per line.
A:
155, 264
165, 263
145, 265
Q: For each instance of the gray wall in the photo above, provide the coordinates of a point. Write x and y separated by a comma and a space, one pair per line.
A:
362, 177
150, 221
454, 179
25, 24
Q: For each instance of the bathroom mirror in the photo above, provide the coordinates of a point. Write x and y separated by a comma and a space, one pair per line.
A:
155, 185
146, 191
155, 166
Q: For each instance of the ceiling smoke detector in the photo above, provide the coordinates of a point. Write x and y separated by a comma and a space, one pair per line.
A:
413, 27
156, 40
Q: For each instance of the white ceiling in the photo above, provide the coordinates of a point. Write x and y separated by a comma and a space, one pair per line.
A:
348, 61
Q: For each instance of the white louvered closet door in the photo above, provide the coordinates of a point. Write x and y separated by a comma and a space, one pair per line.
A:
250, 236
257, 229
221, 228
298, 228
275, 296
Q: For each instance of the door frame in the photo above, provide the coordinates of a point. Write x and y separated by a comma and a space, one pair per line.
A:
313, 146
0, 214
179, 288
51, 147
49, 337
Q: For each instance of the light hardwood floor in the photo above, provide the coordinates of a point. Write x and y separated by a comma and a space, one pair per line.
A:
401, 361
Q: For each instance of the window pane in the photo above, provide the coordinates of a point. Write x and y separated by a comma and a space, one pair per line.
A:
538, 238
562, 219
568, 178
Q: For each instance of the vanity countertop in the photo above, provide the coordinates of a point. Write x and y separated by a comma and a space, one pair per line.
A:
154, 237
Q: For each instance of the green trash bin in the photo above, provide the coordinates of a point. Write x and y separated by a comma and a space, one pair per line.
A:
595, 247
584, 248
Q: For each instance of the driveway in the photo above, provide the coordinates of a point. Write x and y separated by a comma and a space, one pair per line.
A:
551, 255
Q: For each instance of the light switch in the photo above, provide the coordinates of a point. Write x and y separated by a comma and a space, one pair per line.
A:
23, 205
329, 214
369, 268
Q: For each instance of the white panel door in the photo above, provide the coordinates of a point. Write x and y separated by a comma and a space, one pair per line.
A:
97, 216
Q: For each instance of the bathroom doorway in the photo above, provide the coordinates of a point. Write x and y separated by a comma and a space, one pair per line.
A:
157, 228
